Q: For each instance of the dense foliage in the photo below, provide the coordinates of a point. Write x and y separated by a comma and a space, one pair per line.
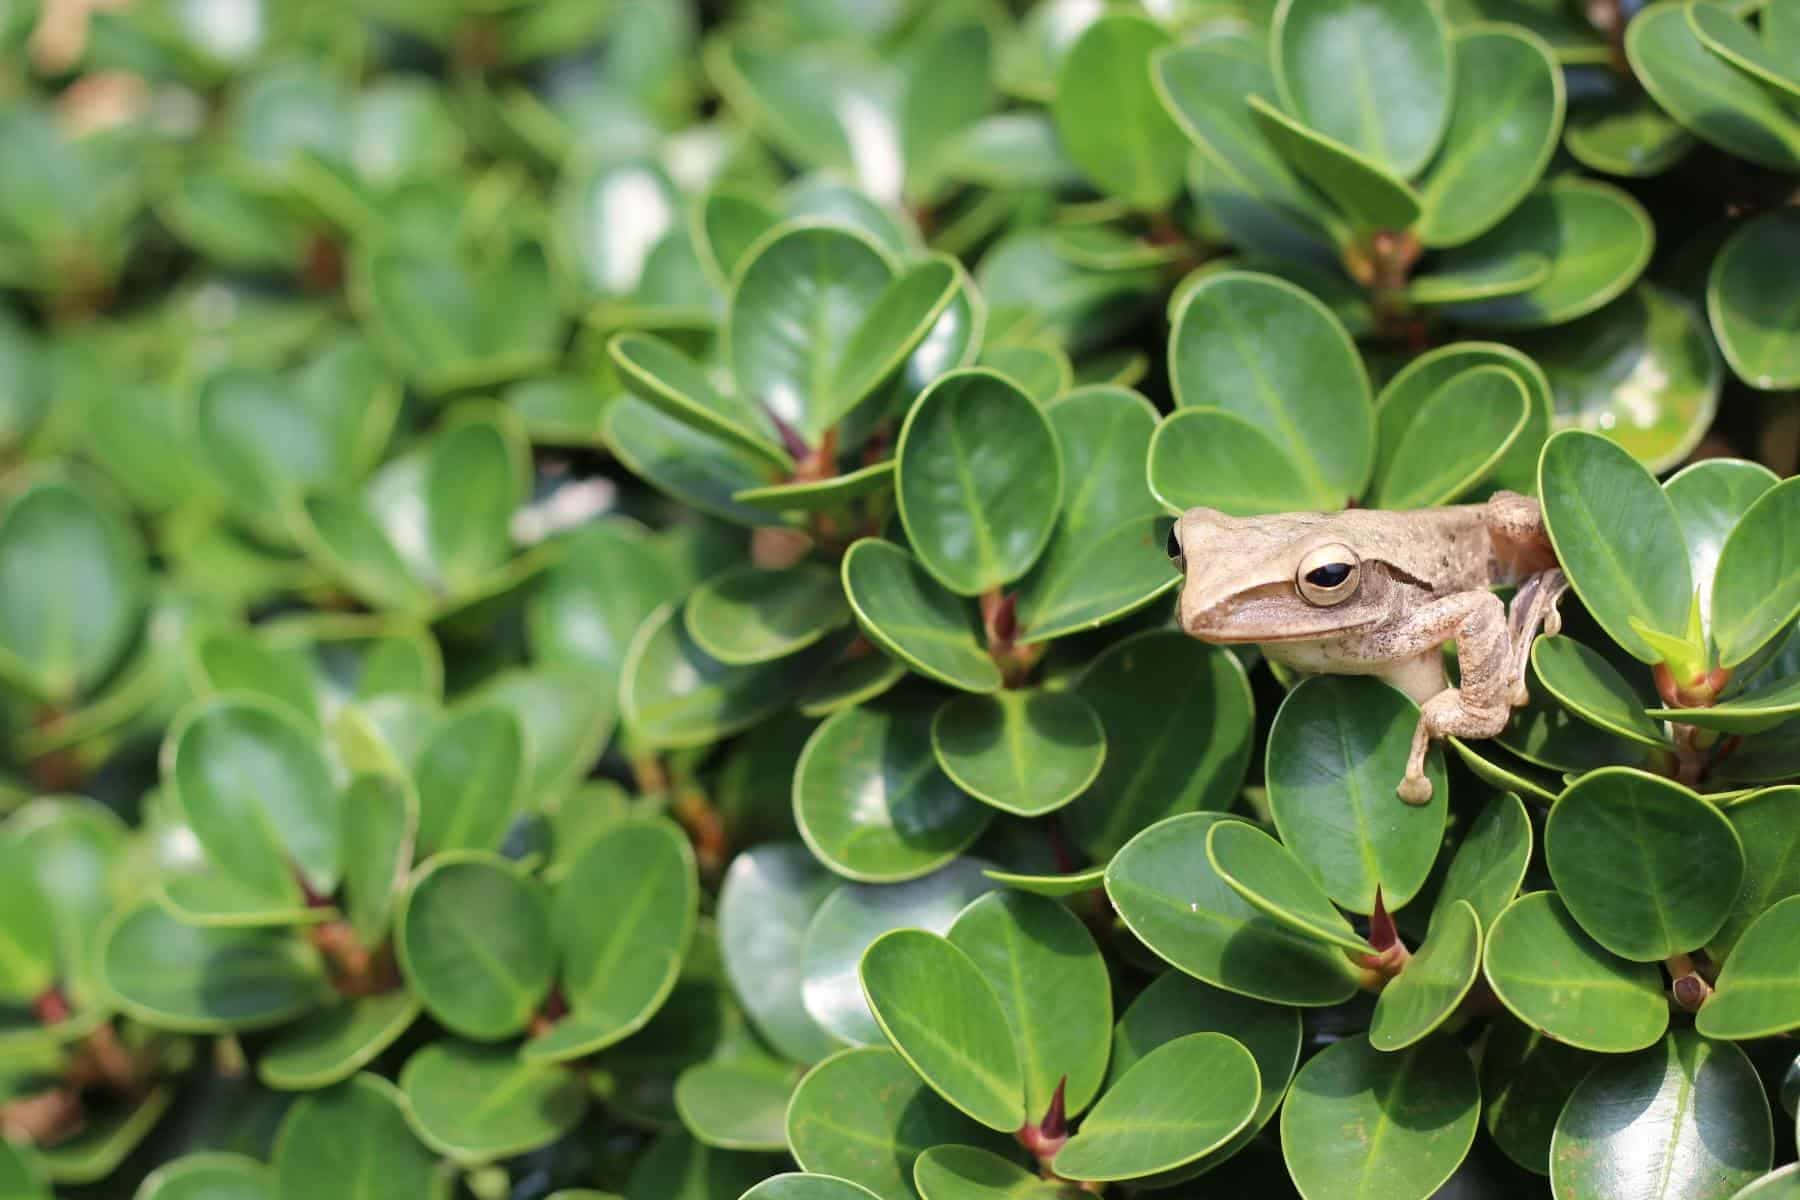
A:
583, 604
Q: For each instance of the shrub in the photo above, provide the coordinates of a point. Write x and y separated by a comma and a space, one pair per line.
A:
583, 606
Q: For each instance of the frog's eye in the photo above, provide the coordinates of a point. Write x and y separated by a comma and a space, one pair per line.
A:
1328, 575
1173, 546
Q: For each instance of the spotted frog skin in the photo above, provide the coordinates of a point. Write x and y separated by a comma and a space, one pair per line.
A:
1368, 592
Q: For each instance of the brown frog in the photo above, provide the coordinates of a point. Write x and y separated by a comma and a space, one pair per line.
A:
1367, 592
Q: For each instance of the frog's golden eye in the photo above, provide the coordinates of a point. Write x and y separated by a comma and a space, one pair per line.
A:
1328, 575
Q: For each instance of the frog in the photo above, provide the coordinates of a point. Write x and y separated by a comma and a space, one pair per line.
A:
1380, 592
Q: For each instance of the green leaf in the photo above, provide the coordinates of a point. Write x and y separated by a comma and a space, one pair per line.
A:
1481, 279
687, 463
807, 1186
73, 600
1373, 199
352, 1141
108, 1139
586, 608
660, 374
1490, 861
1710, 497
1340, 743
1186, 914
1758, 991
1041, 371
1646, 1124
1617, 537
1766, 827
1262, 871
1754, 594
768, 897
674, 695
1053, 987
470, 774
1071, 884
1555, 978
1374, 76
1108, 116
832, 494
259, 795
969, 1173
863, 1116
566, 719
1437, 977
801, 295
1362, 1120
619, 962
1153, 692
475, 479
1460, 434
1748, 301
1671, 868
1504, 123
206, 980
738, 1103
748, 615
28, 935
905, 612
70, 849
980, 474
1585, 683
873, 803
855, 915
1023, 752
1526, 1078
196, 1176
480, 1103
1210, 458
337, 1041
22, 1174
1641, 371
942, 1016
606, 217
894, 328
728, 222
1720, 31
474, 941
1598, 240
1625, 133
1709, 96
1262, 349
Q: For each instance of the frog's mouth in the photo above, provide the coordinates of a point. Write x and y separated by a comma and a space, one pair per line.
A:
1266, 615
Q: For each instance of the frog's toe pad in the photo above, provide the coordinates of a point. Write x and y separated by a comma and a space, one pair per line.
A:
1415, 789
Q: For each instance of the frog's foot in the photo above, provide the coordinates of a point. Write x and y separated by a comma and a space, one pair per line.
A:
1450, 713
1533, 609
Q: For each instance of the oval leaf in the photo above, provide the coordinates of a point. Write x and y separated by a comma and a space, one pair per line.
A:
1023, 752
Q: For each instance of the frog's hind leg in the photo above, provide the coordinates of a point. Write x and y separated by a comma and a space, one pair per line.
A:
1533, 608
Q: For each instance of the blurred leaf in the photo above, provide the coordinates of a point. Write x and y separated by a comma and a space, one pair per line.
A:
475, 943
521, 1105
1108, 116
352, 1141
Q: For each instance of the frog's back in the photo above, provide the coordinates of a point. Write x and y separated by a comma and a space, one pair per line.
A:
1442, 550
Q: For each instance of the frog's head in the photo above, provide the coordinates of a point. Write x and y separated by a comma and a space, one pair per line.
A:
1280, 578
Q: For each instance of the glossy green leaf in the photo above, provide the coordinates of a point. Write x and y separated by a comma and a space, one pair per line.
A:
1460, 434
1672, 868
1437, 977
1362, 1122
585, 609
1526, 1078
352, 1141
1490, 861
1373, 199
1625, 133
200, 1176
336, 1041
1185, 913
1608, 518
970, 1173
1374, 76
871, 800
1766, 829
863, 1116
1598, 240
1337, 750
1710, 497
73, 600
1155, 693
1480, 279
768, 897
567, 720
979, 477
1781, 1184
620, 961
1720, 31
1748, 300
1262, 871
1757, 993
912, 617
1754, 594
1024, 752
1555, 978
607, 217
662, 375
1053, 988
470, 775
1072, 884
738, 1103
939, 1012
1420, 380
1648, 1124
1174, 1105
688, 463
852, 917
1708, 95
901, 318
22, 1174
807, 1186
675, 695
1585, 683
833, 493
1107, 114
206, 980
681, 1168
479, 1103
475, 944
1209, 458
750, 614
70, 850
1262, 349
800, 297
1504, 122
27, 933
728, 222
259, 795
1041, 371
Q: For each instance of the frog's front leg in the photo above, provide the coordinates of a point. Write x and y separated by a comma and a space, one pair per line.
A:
1480, 705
